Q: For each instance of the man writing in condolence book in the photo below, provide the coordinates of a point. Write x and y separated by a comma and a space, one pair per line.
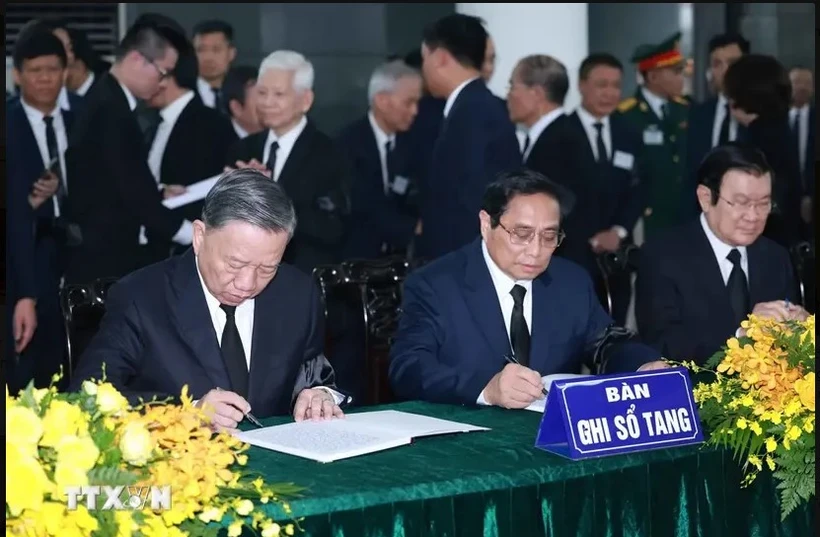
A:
482, 324
244, 331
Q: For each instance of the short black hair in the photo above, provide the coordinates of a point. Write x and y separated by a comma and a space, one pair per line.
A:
522, 182
37, 41
463, 36
413, 59
236, 83
150, 35
732, 156
214, 26
724, 40
597, 59
759, 84
186, 71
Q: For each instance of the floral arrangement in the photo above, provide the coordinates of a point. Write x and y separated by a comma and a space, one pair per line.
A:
56, 442
759, 402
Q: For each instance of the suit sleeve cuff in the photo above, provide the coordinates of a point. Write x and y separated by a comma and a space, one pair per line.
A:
481, 400
337, 397
622, 233
185, 235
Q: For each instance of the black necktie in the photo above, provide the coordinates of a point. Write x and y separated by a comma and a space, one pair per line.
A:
526, 146
723, 137
519, 332
664, 111
391, 164
271, 164
738, 288
603, 155
233, 353
54, 153
218, 104
152, 119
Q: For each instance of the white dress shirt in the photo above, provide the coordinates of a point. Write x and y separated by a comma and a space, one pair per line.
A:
803, 134
451, 99
62, 99
721, 250
381, 142
539, 127
206, 93
85, 86
286, 142
237, 128
720, 113
655, 102
503, 285
169, 114
589, 121
38, 127
243, 317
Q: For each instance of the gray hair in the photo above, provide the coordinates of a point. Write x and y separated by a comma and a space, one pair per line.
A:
288, 60
386, 76
247, 195
540, 70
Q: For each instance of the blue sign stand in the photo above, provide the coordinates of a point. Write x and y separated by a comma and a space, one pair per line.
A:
622, 413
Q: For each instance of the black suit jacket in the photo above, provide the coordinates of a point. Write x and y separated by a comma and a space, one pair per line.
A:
377, 217
196, 150
682, 305
316, 176
477, 141
112, 191
157, 336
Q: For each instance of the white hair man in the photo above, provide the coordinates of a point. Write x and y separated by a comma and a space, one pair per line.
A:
384, 218
292, 151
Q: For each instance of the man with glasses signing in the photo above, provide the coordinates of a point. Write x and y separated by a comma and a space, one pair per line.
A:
482, 324
698, 282
113, 193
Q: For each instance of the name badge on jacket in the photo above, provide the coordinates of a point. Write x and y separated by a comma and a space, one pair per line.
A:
400, 185
622, 160
652, 135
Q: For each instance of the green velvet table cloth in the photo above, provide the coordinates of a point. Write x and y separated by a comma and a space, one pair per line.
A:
497, 484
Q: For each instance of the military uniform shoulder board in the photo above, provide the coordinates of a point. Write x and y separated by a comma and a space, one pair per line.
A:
627, 104
681, 100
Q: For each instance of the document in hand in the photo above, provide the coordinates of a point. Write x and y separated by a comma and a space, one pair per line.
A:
194, 192
354, 435
540, 404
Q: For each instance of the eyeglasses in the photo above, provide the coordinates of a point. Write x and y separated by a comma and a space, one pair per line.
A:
762, 207
521, 236
163, 73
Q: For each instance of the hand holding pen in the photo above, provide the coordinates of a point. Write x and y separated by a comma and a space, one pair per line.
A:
515, 386
227, 409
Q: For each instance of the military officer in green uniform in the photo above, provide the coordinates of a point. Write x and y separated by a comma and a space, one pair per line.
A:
659, 114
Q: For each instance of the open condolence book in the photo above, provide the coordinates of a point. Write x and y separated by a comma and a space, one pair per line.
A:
354, 435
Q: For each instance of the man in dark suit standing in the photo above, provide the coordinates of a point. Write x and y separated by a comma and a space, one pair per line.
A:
37, 137
241, 329
190, 142
292, 151
803, 123
699, 281
711, 123
239, 92
113, 193
477, 140
215, 51
503, 295
384, 217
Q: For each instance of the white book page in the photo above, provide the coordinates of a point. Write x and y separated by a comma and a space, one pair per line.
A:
409, 424
194, 192
324, 441
540, 404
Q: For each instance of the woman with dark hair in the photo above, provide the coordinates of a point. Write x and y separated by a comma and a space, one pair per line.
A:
759, 94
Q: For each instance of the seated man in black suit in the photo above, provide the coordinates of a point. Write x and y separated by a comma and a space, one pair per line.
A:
697, 282
383, 216
242, 329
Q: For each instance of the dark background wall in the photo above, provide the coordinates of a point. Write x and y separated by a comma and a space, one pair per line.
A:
343, 41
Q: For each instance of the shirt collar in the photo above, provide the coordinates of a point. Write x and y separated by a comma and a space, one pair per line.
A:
654, 101
240, 132
451, 99
287, 140
132, 101
381, 137
722, 101
799, 109
720, 248
171, 112
502, 282
542, 123
589, 121
85, 86
62, 99
35, 115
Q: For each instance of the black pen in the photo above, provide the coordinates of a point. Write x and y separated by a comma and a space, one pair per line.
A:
251, 417
511, 359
